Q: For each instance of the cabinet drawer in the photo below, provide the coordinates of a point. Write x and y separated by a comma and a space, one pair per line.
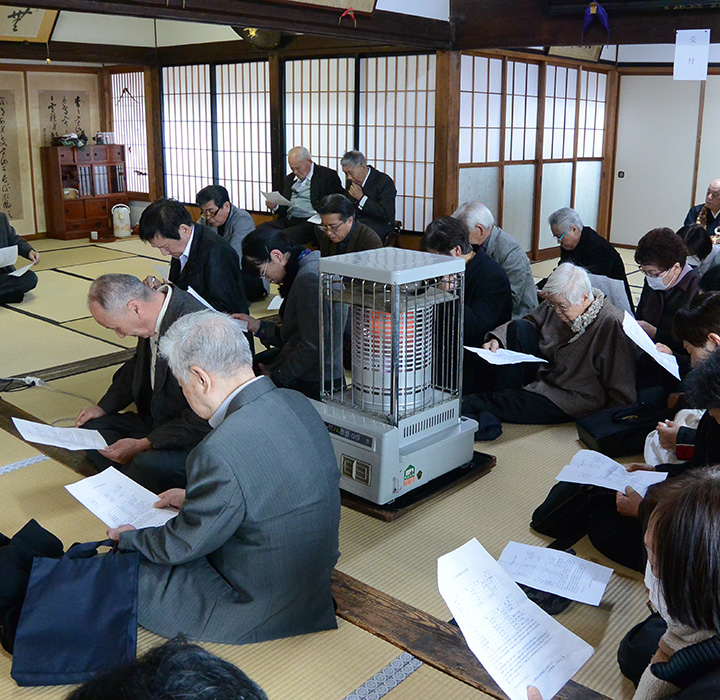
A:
116, 153
76, 225
117, 199
74, 209
83, 155
96, 207
96, 224
99, 153
66, 155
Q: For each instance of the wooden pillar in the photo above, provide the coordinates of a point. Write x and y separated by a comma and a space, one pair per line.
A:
447, 133
277, 120
153, 111
106, 112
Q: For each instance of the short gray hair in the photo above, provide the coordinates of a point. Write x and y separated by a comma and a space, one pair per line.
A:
206, 339
470, 214
301, 152
569, 282
565, 218
113, 292
354, 159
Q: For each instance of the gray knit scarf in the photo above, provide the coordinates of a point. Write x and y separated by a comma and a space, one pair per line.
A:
580, 324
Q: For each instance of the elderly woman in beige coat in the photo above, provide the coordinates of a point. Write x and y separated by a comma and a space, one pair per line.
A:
590, 362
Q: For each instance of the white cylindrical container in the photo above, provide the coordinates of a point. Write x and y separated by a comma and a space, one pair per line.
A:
121, 220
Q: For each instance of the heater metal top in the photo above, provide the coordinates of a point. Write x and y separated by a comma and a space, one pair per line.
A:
391, 265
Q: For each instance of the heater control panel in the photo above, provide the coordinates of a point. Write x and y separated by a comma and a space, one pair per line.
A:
351, 435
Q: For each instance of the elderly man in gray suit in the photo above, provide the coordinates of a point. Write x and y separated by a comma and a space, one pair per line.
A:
505, 250
249, 556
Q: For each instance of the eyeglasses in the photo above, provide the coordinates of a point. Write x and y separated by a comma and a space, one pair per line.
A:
210, 214
652, 275
332, 227
557, 307
264, 270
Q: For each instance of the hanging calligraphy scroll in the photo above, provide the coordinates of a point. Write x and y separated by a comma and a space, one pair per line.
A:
56, 111
15, 177
26, 24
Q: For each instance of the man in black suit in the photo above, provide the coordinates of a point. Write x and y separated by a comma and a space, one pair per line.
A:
13, 289
201, 259
151, 445
304, 187
488, 297
372, 192
707, 214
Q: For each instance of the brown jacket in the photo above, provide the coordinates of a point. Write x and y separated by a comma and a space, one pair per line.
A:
596, 371
361, 237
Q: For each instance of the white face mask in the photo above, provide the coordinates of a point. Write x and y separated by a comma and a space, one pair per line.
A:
656, 596
658, 283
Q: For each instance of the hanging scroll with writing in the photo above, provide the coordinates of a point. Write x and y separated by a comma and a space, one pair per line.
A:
62, 112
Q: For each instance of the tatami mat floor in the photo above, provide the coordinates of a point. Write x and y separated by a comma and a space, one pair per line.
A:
398, 558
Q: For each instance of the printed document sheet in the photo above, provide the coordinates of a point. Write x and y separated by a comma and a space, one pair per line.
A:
555, 572
69, 438
590, 467
634, 331
275, 303
275, 198
118, 500
21, 270
8, 255
504, 357
518, 643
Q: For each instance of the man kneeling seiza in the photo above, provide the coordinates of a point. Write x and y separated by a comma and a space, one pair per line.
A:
151, 444
249, 556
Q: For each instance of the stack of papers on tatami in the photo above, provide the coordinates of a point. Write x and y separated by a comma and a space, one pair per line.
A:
590, 467
518, 643
118, 500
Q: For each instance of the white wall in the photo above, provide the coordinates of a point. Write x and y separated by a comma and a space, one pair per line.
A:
709, 165
657, 127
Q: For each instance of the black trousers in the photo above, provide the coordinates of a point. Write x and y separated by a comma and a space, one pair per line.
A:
617, 536
13, 289
156, 470
298, 230
639, 645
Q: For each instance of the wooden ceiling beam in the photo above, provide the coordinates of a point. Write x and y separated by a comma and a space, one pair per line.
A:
381, 27
78, 53
518, 23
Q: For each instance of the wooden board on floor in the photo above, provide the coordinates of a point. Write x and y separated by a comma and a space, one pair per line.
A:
30, 344
428, 638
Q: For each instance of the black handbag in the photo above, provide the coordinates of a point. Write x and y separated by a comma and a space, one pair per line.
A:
619, 432
79, 617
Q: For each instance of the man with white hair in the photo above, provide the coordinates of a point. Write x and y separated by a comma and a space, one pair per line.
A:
707, 214
504, 250
250, 553
582, 246
151, 444
304, 187
590, 361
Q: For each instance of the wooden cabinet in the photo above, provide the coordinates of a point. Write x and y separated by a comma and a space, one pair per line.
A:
96, 174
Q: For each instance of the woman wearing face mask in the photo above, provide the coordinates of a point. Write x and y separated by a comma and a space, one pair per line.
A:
702, 254
670, 284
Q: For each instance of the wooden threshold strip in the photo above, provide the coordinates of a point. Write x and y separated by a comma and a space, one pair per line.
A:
82, 366
435, 642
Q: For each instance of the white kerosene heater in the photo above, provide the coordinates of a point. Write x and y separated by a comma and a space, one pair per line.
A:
396, 424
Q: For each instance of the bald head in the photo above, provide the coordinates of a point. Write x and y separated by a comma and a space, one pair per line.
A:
712, 196
300, 161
